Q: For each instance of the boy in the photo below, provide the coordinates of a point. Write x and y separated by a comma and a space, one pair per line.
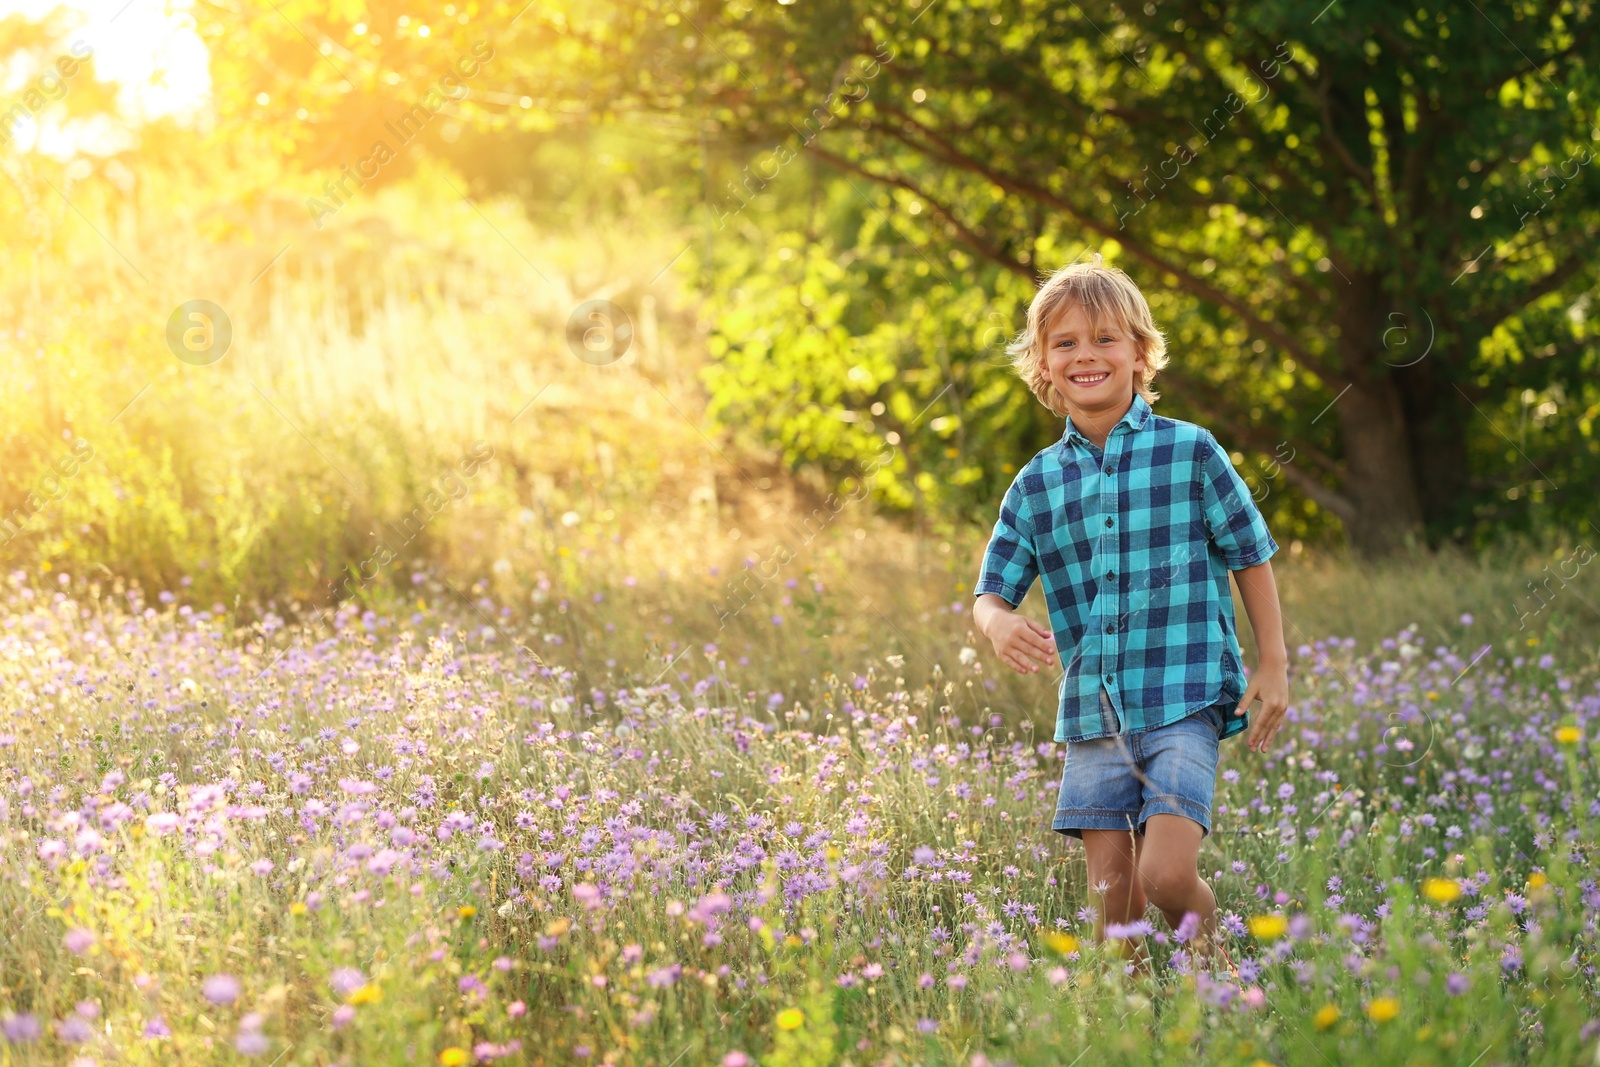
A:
1134, 522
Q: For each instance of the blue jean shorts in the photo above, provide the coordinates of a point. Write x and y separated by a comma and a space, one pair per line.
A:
1118, 782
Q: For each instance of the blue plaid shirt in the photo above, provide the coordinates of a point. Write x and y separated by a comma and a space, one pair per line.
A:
1134, 545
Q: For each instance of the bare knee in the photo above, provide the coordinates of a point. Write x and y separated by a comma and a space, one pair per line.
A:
1166, 884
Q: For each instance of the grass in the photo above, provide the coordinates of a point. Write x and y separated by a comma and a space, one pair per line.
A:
406, 833
625, 747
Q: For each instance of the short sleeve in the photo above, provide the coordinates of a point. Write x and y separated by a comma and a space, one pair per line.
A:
1010, 563
1233, 522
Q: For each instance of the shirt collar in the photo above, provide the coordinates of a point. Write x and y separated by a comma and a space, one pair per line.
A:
1138, 414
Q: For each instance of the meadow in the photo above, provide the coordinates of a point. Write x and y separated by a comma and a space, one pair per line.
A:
404, 835
630, 752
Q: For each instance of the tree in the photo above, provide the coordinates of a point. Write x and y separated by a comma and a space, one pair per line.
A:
1368, 232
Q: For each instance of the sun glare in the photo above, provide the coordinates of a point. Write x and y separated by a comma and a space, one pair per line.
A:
149, 48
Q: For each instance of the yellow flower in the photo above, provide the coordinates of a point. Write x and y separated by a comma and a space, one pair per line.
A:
453, 1057
1060, 942
466, 911
1569, 735
1383, 1009
792, 941
1536, 879
298, 908
790, 1019
1268, 927
1262, 1063
1325, 1017
367, 994
1441, 890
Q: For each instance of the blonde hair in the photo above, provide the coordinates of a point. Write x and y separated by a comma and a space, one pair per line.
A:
1104, 293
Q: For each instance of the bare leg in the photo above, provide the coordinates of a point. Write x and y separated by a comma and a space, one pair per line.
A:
1168, 872
1114, 887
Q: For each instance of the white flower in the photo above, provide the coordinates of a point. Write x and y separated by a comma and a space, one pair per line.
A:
968, 656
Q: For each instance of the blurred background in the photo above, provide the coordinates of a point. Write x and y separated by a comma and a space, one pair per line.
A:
640, 324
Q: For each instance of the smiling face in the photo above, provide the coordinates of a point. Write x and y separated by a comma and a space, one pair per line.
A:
1093, 371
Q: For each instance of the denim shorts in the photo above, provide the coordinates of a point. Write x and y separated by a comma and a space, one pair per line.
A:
1118, 782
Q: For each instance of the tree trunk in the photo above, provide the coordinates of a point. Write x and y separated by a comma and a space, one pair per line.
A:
1379, 474
1436, 419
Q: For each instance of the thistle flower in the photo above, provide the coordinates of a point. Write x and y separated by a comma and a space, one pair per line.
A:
220, 989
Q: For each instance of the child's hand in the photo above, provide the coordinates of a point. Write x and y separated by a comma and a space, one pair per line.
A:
1019, 641
1270, 685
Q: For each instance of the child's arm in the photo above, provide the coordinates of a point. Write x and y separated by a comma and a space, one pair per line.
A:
1009, 568
1270, 682
1017, 639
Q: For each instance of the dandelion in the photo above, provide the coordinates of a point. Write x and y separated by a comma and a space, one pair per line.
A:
466, 911
367, 994
1325, 1017
1569, 735
790, 1019
453, 1057
1383, 1009
1061, 943
1268, 927
1537, 879
1441, 890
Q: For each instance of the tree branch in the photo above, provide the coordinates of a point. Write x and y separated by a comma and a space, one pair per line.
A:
1139, 250
941, 211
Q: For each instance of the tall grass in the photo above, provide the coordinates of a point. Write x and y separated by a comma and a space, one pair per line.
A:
403, 836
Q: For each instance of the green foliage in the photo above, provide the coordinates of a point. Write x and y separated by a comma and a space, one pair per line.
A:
1368, 239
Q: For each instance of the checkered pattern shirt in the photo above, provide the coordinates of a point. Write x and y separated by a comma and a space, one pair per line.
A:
1134, 545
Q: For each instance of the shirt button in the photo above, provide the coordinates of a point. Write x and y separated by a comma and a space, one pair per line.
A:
1111, 627
1108, 468
1109, 677
1110, 574
1110, 522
